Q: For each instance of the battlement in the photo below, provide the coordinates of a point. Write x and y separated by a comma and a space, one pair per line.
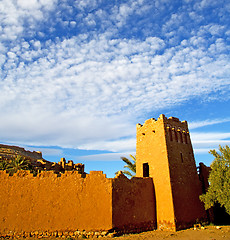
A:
177, 131
72, 202
171, 121
43, 174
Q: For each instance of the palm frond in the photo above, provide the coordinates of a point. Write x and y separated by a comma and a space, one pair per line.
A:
131, 165
127, 173
19, 163
4, 164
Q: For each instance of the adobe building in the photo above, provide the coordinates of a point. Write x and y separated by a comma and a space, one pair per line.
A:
163, 195
164, 152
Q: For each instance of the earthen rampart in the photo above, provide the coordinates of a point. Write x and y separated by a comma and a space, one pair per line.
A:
134, 205
74, 202
51, 203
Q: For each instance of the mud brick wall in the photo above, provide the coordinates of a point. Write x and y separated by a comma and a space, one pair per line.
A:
74, 202
51, 203
134, 204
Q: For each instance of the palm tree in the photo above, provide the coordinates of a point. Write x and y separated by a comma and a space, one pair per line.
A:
19, 163
4, 164
131, 165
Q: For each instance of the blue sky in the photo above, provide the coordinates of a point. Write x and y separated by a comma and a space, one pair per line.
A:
77, 76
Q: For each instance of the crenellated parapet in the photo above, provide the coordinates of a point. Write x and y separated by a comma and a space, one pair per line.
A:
71, 202
178, 134
26, 174
177, 131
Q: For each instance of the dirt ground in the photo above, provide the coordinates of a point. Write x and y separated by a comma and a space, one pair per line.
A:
205, 233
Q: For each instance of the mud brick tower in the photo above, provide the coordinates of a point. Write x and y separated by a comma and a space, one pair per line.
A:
164, 152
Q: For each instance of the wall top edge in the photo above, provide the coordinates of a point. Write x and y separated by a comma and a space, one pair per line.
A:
172, 120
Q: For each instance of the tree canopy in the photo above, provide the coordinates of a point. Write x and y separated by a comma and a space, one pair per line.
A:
15, 164
219, 180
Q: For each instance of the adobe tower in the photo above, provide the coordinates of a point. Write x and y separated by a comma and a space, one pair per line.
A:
164, 152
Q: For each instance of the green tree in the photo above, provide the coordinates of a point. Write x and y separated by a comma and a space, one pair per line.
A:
131, 165
219, 180
4, 164
19, 163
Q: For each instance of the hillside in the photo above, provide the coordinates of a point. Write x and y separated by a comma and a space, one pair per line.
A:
10, 152
39, 163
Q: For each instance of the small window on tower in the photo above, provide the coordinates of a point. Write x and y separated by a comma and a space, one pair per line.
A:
180, 136
185, 137
175, 134
145, 170
170, 135
181, 157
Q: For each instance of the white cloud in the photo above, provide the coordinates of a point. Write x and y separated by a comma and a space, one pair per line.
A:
105, 156
73, 23
28, 4
14, 14
194, 125
45, 151
88, 90
203, 142
69, 89
206, 3
114, 146
209, 136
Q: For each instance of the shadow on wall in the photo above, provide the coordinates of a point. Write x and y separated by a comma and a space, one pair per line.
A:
134, 203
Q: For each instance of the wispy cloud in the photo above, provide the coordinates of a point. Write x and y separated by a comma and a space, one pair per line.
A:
203, 142
82, 74
208, 122
18, 16
90, 81
106, 156
114, 146
209, 136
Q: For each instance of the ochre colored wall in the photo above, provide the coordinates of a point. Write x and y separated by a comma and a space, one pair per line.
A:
73, 202
166, 146
51, 203
151, 149
186, 187
133, 203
